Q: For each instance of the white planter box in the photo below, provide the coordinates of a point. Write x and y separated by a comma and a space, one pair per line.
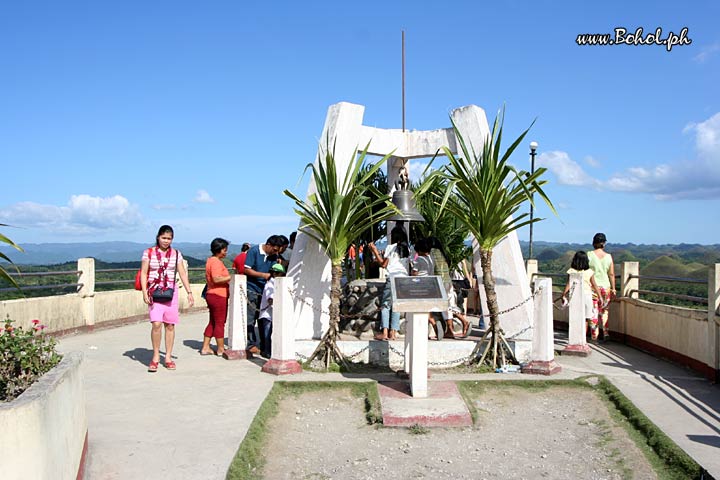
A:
43, 432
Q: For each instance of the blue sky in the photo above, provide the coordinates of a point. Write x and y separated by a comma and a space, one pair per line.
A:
118, 117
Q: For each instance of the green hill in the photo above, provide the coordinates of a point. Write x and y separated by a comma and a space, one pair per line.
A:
665, 266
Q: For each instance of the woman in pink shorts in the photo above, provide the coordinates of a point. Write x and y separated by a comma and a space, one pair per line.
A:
161, 265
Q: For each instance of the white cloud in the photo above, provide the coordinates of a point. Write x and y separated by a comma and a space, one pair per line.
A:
567, 171
84, 214
698, 178
416, 170
592, 161
204, 197
706, 52
707, 137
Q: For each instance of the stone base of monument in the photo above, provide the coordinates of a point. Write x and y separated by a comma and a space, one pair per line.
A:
236, 354
443, 406
577, 350
538, 367
282, 367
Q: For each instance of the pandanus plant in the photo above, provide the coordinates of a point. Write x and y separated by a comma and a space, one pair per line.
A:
335, 215
3, 272
485, 193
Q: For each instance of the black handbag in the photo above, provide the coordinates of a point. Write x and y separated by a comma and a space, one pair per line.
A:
166, 296
163, 296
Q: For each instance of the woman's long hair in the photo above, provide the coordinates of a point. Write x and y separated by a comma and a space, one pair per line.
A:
399, 237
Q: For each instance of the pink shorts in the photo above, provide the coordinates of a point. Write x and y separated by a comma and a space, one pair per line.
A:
165, 312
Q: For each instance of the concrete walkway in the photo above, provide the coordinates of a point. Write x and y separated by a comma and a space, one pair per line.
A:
188, 423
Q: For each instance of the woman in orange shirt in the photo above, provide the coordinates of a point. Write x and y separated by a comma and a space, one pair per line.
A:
218, 281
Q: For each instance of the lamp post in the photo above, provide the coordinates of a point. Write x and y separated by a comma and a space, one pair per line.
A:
533, 150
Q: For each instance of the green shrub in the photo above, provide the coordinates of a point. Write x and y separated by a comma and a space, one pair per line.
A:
25, 355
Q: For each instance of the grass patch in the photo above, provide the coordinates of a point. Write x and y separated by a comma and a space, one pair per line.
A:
418, 429
250, 459
668, 460
470, 389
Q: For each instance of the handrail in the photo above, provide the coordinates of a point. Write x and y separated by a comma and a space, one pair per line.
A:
668, 279
114, 282
44, 274
41, 287
673, 295
116, 270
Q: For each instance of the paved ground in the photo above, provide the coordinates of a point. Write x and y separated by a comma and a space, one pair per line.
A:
188, 423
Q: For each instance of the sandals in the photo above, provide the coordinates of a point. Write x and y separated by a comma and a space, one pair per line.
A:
170, 365
381, 338
153, 367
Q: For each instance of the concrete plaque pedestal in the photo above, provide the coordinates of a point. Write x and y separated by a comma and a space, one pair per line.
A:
443, 406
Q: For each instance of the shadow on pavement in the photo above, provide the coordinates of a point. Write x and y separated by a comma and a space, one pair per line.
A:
193, 344
139, 354
712, 440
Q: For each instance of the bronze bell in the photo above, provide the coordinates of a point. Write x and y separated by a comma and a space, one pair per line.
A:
405, 202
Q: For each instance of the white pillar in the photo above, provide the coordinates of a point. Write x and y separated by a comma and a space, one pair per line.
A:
408, 343
283, 334
237, 318
628, 284
542, 357
419, 357
531, 267
576, 318
713, 320
86, 267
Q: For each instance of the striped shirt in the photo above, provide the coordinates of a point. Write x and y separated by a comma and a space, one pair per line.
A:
168, 262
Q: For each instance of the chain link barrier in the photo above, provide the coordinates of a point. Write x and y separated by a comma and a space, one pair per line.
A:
569, 297
401, 354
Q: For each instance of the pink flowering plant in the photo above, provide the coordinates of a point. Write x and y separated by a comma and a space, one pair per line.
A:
25, 355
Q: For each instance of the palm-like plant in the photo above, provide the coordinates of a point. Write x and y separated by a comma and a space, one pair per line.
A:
485, 193
439, 222
3, 273
335, 215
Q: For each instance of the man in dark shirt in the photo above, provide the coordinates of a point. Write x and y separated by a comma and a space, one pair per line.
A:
258, 261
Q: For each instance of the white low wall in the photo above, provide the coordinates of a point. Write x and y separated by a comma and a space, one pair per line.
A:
43, 430
678, 329
66, 312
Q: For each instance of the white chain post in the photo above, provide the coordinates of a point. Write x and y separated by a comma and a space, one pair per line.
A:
237, 319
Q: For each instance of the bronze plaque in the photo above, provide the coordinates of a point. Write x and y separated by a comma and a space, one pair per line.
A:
417, 288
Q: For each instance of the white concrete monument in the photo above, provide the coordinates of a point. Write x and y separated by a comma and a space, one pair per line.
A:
310, 267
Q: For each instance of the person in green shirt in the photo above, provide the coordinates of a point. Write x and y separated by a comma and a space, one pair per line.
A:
602, 265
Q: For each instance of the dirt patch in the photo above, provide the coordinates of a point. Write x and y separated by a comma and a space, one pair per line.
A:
558, 433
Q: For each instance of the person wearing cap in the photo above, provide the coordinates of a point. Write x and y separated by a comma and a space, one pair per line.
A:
602, 265
266, 311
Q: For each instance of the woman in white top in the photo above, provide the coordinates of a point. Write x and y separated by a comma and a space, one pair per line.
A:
396, 261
